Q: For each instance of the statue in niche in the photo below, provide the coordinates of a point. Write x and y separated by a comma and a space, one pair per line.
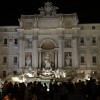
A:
47, 61
28, 61
68, 60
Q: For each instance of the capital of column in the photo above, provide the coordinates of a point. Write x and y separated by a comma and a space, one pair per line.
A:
35, 37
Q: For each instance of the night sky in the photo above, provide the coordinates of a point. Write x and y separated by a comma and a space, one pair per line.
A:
88, 10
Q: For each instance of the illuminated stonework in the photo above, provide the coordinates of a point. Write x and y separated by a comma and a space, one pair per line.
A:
49, 38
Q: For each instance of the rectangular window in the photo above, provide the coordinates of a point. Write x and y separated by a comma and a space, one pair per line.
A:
93, 27
5, 42
16, 42
82, 59
15, 60
4, 73
82, 40
5, 60
93, 40
94, 59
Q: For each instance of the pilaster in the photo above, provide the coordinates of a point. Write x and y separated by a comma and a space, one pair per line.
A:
35, 52
60, 51
74, 51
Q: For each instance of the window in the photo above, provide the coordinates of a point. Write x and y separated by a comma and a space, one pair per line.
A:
94, 59
5, 42
93, 40
4, 73
5, 60
93, 27
82, 59
16, 42
82, 40
15, 60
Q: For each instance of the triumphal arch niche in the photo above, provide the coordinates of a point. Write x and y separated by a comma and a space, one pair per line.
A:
48, 40
48, 54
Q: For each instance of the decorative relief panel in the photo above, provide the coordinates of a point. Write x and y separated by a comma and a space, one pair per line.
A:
28, 43
67, 23
67, 43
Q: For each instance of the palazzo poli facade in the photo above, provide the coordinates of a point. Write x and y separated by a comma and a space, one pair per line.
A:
49, 40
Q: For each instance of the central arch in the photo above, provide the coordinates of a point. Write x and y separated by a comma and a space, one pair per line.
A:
48, 52
48, 44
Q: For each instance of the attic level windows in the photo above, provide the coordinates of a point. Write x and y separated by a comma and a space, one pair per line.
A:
93, 27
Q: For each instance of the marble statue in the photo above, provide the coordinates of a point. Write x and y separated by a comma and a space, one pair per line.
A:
47, 61
68, 60
48, 9
35, 22
28, 61
60, 22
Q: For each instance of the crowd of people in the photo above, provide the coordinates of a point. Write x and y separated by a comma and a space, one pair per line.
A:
81, 90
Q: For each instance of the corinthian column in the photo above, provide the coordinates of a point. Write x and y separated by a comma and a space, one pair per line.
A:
35, 52
39, 58
56, 59
21, 38
60, 52
75, 53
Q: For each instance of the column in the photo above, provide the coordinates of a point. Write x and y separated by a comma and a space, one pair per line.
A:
56, 60
35, 52
21, 51
39, 59
74, 52
60, 52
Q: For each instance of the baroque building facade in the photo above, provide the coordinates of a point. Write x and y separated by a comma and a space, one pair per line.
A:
49, 40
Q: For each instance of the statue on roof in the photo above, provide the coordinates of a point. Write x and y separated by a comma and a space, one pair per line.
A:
48, 9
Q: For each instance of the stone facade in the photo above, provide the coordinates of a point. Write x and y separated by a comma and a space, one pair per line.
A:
48, 36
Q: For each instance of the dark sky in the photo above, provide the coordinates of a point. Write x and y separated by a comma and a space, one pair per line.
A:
88, 10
